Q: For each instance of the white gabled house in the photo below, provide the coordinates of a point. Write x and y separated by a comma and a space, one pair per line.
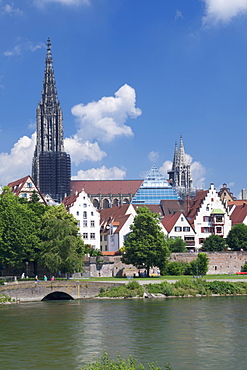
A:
115, 226
177, 226
87, 216
24, 188
208, 215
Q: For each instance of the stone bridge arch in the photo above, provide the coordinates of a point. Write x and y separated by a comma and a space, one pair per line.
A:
57, 296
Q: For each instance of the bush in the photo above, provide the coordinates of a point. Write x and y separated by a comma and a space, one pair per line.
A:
132, 289
176, 268
163, 288
129, 364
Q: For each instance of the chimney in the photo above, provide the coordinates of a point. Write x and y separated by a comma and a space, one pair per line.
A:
243, 192
188, 203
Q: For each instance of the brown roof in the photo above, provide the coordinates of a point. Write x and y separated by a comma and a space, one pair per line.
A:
114, 214
238, 202
155, 208
70, 200
17, 185
169, 221
195, 205
170, 206
93, 187
239, 213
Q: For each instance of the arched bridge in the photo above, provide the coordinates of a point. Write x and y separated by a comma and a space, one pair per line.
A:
60, 289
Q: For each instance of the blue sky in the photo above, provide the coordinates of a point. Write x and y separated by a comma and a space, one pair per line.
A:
132, 76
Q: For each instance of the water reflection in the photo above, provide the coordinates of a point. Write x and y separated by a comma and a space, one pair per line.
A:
190, 333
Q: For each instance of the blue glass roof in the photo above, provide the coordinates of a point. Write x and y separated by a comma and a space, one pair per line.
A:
154, 189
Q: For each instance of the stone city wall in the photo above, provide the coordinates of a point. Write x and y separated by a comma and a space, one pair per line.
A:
219, 262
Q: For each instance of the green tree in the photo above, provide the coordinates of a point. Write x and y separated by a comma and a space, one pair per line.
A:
177, 245
199, 266
18, 230
62, 249
237, 237
145, 245
214, 243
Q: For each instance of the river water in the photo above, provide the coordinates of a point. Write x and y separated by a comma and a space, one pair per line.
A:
189, 333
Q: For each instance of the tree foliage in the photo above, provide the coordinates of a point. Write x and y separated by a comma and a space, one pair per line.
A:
62, 249
199, 266
177, 245
237, 237
18, 230
145, 246
214, 243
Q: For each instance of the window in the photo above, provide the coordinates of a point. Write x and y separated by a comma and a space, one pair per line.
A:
84, 214
84, 223
105, 237
29, 185
77, 213
201, 240
91, 213
84, 204
78, 223
218, 218
186, 228
85, 235
181, 218
101, 238
92, 224
206, 218
92, 235
178, 228
218, 230
24, 195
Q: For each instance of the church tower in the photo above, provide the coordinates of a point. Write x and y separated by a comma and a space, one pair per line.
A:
180, 175
51, 168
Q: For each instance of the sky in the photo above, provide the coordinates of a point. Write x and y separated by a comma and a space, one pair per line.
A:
132, 76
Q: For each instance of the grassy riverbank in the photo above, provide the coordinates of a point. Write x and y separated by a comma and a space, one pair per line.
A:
183, 287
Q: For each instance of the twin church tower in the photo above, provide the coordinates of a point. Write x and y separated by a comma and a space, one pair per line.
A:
51, 167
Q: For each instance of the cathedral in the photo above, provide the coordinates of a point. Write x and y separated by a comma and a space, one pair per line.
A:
180, 175
51, 167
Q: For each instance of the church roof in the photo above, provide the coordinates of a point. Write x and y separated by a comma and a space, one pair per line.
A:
93, 187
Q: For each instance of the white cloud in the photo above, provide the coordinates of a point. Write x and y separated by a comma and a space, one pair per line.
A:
17, 164
81, 151
166, 166
9, 9
222, 11
41, 3
153, 156
178, 15
22, 47
105, 119
102, 173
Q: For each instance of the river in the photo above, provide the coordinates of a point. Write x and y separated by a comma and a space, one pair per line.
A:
189, 333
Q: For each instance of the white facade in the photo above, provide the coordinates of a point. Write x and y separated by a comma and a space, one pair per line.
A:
182, 229
211, 218
118, 233
88, 220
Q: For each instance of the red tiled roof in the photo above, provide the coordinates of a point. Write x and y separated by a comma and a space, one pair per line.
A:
17, 185
169, 221
238, 202
170, 206
239, 213
70, 200
92, 187
195, 206
155, 208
